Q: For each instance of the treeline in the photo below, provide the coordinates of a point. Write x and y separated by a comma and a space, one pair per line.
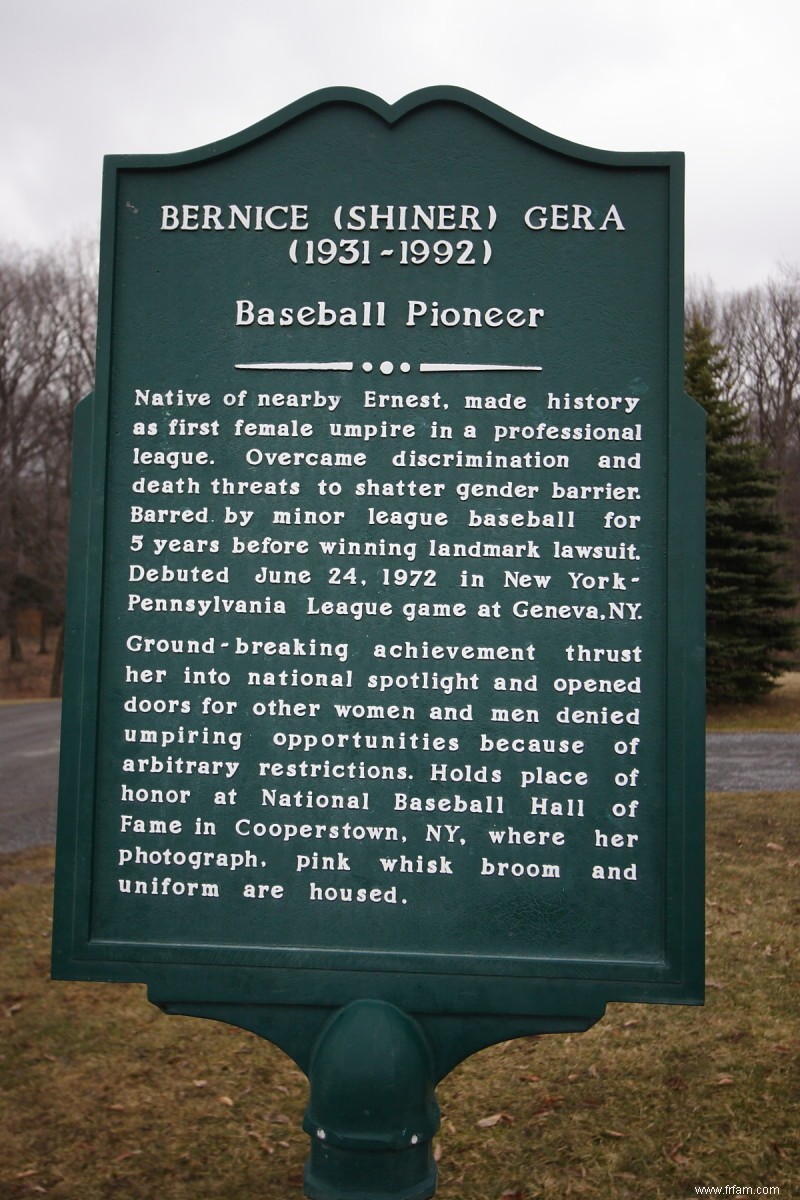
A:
758, 336
48, 315
743, 365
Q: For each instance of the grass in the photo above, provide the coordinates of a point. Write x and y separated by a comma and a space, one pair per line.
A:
104, 1097
778, 712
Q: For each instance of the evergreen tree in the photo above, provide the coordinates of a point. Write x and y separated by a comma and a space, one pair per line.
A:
749, 622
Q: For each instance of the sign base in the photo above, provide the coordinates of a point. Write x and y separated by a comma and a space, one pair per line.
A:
372, 1070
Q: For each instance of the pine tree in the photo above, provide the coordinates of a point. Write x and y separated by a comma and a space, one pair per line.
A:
749, 623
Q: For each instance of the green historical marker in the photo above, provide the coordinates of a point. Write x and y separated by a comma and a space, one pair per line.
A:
383, 724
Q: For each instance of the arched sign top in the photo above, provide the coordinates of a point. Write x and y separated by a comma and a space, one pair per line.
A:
396, 112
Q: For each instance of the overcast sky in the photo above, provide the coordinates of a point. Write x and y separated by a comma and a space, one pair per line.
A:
718, 79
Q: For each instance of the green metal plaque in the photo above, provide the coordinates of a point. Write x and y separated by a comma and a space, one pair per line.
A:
386, 601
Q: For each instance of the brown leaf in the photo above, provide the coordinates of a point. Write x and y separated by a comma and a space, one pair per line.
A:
781, 1153
225, 1100
437, 1152
262, 1145
774, 846
724, 1080
512, 1195
200, 1082
714, 986
495, 1119
127, 1154
614, 1133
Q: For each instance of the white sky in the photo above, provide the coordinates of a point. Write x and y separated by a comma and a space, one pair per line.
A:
718, 79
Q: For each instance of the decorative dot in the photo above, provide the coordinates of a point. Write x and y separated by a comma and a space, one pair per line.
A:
367, 366
405, 368
387, 368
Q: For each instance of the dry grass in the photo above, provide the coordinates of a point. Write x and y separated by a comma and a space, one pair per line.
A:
779, 711
106, 1099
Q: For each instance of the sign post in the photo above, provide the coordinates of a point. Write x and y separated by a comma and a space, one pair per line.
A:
383, 718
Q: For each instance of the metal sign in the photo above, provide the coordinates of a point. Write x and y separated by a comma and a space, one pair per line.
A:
385, 633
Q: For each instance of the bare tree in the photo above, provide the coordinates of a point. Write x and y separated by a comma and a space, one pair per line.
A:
47, 318
759, 332
78, 312
762, 335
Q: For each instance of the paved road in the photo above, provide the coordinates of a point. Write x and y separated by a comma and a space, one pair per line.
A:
29, 737
753, 762
767, 762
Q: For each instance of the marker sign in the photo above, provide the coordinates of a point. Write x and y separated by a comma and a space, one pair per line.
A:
385, 658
